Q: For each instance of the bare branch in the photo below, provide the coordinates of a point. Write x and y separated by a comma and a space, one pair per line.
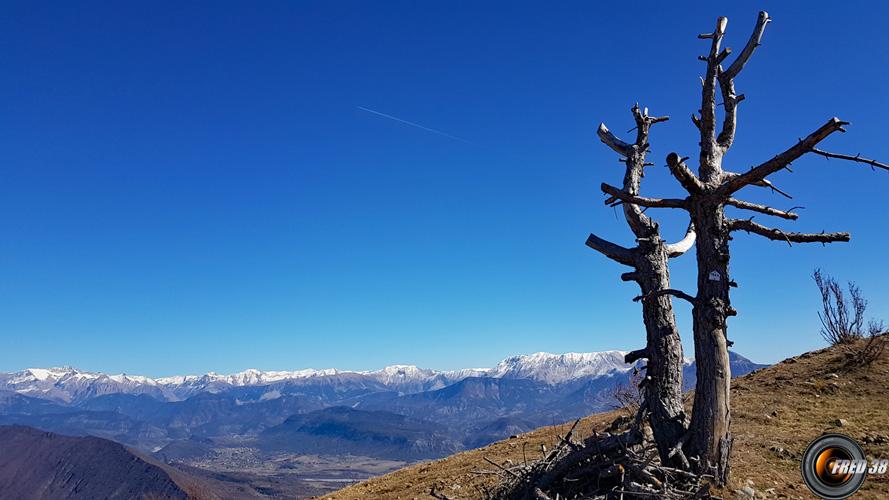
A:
610, 140
708, 95
611, 250
643, 124
727, 176
789, 237
630, 276
763, 209
751, 46
858, 158
683, 174
633, 356
730, 120
665, 291
633, 156
727, 83
760, 172
643, 201
769, 184
682, 246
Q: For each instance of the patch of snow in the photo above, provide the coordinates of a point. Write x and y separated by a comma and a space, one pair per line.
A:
268, 396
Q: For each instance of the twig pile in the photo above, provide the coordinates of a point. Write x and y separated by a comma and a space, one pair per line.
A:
619, 465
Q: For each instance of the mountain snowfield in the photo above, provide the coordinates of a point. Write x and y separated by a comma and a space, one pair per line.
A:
69, 384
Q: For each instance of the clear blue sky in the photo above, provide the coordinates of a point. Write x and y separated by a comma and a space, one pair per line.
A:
192, 186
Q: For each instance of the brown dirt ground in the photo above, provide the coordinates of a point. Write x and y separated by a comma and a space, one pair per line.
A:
784, 407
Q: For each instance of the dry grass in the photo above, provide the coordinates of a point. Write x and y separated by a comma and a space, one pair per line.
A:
777, 412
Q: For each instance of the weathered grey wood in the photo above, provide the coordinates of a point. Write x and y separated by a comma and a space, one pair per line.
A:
780, 161
710, 437
789, 237
755, 207
632, 199
663, 388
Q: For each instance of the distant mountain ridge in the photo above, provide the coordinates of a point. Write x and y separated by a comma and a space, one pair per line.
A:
464, 408
69, 385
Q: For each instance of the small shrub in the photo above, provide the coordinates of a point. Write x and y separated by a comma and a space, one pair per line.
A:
629, 395
872, 347
842, 321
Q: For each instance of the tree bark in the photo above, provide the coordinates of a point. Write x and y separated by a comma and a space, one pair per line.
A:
663, 381
662, 386
710, 439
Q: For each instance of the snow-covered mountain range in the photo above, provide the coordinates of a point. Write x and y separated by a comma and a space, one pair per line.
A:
269, 410
67, 384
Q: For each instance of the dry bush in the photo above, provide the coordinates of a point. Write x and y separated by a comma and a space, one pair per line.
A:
872, 347
629, 396
842, 321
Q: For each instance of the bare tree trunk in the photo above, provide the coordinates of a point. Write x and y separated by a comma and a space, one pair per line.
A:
663, 382
710, 436
662, 386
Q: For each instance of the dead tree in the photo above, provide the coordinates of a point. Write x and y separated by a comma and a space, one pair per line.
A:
709, 440
662, 385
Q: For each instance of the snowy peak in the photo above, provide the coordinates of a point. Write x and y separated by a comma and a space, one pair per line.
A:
396, 374
557, 368
56, 373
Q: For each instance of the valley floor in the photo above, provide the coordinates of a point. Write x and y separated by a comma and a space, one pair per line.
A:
777, 412
283, 475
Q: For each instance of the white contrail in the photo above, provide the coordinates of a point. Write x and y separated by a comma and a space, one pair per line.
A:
412, 124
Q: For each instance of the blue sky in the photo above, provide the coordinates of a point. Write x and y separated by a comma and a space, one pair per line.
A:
193, 186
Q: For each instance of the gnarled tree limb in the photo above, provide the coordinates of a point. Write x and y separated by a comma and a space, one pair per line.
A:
683, 174
727, 83
858, 158
609, 139
708, 101
611, 250
763, 209
682, 246
643, 201
633, 356
630, 276
665, 291
789, 237
760, 172
643, 124
751, 46
709, 154
727, 176
633, 156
